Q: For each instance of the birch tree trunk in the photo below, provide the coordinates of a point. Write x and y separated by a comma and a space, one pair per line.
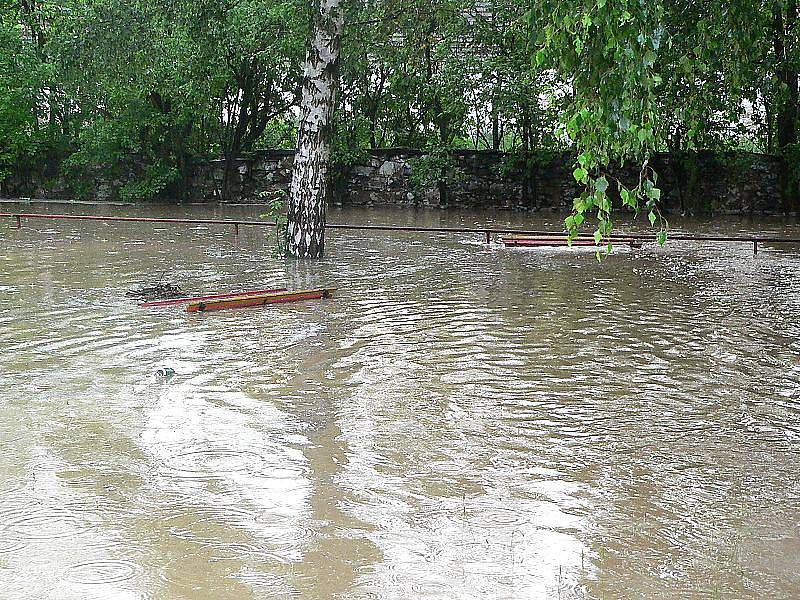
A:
310, 174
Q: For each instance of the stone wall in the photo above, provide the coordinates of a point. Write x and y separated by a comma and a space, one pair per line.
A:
698, 183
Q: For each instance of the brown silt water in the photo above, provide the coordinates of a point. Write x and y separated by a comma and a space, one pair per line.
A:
460, 420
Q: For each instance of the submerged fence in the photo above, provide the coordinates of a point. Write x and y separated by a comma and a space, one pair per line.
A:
485, 232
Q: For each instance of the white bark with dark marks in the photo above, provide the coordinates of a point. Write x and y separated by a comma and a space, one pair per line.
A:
311, 171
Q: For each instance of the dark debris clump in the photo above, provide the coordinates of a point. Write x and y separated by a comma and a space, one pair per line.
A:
161, 291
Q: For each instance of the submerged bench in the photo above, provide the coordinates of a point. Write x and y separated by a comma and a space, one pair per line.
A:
526, 241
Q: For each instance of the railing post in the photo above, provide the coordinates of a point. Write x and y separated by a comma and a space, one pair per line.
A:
19, 221
488, 237
236, 229
755, 247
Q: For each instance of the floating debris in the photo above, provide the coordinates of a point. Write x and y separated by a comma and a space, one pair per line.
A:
165, 372
159, 291
175, 301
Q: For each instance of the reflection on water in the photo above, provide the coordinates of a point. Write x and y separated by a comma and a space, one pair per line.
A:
460, 421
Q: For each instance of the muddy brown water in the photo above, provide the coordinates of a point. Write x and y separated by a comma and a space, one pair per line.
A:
460, 421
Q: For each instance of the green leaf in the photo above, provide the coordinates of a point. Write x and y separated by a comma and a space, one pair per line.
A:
628, 198
601, 184
603, 202
580, 174
652, 216
573, 124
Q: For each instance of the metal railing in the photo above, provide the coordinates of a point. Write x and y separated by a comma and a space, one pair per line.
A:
486, 232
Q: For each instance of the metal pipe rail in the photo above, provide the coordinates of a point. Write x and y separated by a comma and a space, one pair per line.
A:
488, 232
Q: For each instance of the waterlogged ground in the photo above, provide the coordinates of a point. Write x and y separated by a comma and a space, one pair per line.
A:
461, 421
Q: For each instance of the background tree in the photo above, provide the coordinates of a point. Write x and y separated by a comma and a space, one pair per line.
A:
246, 55
23, 87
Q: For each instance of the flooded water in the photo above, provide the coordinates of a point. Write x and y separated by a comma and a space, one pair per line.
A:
460, 421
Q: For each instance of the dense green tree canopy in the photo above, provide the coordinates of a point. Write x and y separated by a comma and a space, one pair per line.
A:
92, 84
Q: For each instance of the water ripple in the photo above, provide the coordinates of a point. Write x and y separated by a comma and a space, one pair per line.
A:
102, 572
484, 421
